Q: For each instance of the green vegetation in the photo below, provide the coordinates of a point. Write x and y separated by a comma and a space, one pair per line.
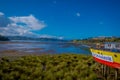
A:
52, 67
98, 40
49, 67
2, 38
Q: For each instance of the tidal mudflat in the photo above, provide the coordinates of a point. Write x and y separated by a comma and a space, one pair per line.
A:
18, 48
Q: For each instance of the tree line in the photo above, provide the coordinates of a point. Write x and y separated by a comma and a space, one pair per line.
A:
3, 38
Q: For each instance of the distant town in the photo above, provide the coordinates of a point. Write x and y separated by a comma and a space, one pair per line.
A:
98, 40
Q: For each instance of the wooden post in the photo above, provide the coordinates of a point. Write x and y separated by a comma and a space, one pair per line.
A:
108, 72
105, 71
102, 68
116, 74
106, 75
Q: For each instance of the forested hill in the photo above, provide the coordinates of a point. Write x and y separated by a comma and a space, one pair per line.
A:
3, 38
33, 38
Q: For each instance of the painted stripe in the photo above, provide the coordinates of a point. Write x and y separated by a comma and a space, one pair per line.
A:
111, 64
103, 57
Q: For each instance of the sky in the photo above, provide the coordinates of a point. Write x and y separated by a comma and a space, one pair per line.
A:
68, 19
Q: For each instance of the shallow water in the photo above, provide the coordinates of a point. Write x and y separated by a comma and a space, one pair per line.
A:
37, 47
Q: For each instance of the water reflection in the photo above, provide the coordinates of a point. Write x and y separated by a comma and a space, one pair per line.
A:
41, 47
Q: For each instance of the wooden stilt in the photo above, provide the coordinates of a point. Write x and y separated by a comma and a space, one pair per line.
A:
105, 71
116, 74
108, 72
102, 69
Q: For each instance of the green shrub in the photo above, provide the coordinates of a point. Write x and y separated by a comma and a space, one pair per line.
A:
49, 67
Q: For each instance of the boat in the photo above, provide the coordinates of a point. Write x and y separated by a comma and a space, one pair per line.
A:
108, 56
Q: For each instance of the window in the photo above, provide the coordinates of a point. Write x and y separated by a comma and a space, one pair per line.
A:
109, 45
117, 45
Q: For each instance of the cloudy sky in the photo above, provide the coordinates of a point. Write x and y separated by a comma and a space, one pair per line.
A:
60, 18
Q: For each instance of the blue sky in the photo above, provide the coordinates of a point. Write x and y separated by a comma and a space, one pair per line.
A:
60, 18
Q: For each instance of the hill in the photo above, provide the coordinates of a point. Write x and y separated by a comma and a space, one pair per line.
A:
33, 38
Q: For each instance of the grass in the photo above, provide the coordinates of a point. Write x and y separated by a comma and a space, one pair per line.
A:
49, 67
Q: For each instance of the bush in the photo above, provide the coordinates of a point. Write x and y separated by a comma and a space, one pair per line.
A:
49, 67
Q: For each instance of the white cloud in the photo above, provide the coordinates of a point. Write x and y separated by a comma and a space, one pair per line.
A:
78, 14
1, 14
49, 36
20, 26
60, 37
28, 21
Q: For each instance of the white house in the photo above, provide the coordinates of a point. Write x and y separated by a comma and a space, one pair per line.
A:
112, 45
